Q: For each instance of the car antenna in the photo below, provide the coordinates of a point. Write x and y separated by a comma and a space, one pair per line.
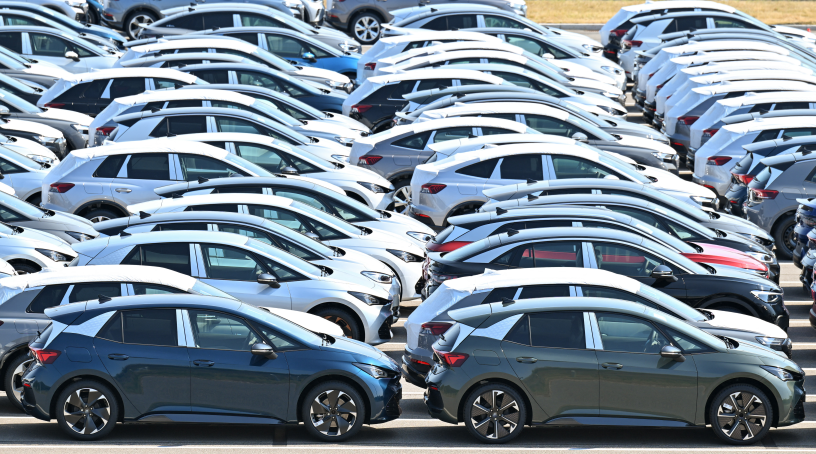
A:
531, 197
104, 299
202, 180
143, 215
123, 234
500, 211
511, 232
531, 181
507, 301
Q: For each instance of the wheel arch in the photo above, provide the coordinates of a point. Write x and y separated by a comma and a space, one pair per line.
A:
9, 356
460, 411
88, 375
327, 376
24, 260
101, 204
778, 219
34, 194
732, 299
138, 8
462, 205
348, 307
364, 9
746, 381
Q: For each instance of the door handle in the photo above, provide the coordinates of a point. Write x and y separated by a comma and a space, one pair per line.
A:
118, 356
122, 190
612, 366
526, 359
204, 362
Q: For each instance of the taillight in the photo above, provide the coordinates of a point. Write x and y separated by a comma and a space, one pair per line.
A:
105, 130
45, 356
61, 187
709, 132
763, 194
618, 32
452, 359
368, 160
717, 160
436, 328
55, 105
360, 108
744, 179
629, 43
660, 86
650, 75
446, 247
687, 120
667, 97
370, 66
432, 188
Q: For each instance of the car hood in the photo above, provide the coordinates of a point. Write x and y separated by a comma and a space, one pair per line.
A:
362, 352
723, 255
34, 234
745, 277
670, 183
31, 127
314, 323
396, 223
38, 242
328, 128
745, 323
67, 115
385, 240
345, 121
645, 143
320, 74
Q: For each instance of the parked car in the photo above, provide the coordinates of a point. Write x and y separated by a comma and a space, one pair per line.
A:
178, 60
23, 174
586, 333
76, 10
73, 126
67, 50
41, 73
803, 233
431, 319
66, 227
6, 269
27, 90
30, 251
86, 26
27, 148
45, 135
271, 343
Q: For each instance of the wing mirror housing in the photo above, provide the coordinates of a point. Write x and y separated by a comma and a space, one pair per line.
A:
288, 170
264, 350
669, 351
313, 236
269, 280
309, 57
580, 137
4, 111
72, 55
611, 177
663, 272
548, 56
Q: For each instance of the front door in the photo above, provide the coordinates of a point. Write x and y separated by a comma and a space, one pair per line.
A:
551, 355
637, 382
638, 264
141, 351
226, 377
236, 272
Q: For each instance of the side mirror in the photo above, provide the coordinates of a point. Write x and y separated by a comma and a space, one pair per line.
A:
72, 55
267, 351
611, 177
4, 111
580, 137
548, 56
269, 280
313, 236
663, 272
668, 351
310, 57
289, 171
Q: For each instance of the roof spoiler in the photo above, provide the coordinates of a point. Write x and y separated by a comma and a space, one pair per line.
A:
470, 316
765, 114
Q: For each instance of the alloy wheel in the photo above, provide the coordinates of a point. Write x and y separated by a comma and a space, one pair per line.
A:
342, 323
402, 198
17, 379
87, 411
333, 413
741, 415
495, 414
367, 29
133, 26
789, 235
96, 219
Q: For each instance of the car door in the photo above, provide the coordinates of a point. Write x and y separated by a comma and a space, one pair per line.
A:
54, 49
173, 256
221, 359
146, 355
635, 381
552, 354
518, 169
638, 264
236, 271
544, 254
564, 167
140, 175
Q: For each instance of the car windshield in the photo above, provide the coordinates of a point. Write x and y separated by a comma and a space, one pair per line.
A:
254, 168
12, 63
672, 304
272, 111
281, 255
19, 103
20, 206
630, 170
274, 60
281, 324
327, 218
200, 288
289, 132
16, 84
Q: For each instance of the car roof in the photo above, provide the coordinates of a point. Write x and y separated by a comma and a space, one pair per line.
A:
237, 198
164, 73
498, 139
604, 199
772, 96
162, 145
749, 55
277, 180
571, 211
234, 43
723, 45
439, 73
589, 233
773, 143
761, 124
502, 107
419, 13
511, 150
749, 85
151, 59
172, 95
530, 276
201, 111
529, 188
790, 157
432, 35
798, 73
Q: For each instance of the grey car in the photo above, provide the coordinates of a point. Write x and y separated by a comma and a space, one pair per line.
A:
772, 195
67, 227
363, 19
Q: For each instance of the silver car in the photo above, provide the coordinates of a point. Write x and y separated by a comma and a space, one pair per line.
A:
69, 51
66, 227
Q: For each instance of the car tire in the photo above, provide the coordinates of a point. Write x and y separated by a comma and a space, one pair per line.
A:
345, 319
139, 17
100, 214
366, 28
87, 410
738, 403
495, 413
783, 234
402, 195
25, 268
12, 381
333, 411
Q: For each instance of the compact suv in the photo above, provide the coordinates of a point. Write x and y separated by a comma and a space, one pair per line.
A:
622, 358
48, 137
431, 319
66, 50
363, 385
90, 93
23, 174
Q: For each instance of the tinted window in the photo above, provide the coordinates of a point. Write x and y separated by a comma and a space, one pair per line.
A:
622, 333
7, 167
183, 103
431, 84
544, 291
608, 292
453, 22
149, 166
154, 289
150, 327
50, 296
625, 260
554, 126
126, 86
213, 76
399, 89
173, 256
791, 105
798, 132
722, 22
92, 291
266, 157
528, 82
110, 166
479, 170
182, 226
243, 126
443, 135
520, 334
488, 131
190, 22
552, 254
522, 167
217, 20
682, 24
286, 47
222, 262
219, 331
53, 46
255, 20
502, 22
497, 294
113, 329
414, 142
557, 329
225, 207
13, 41
192, 124
10, 216
90, 90
764, 107
566, 167
262, 80
245, 231
194, 167
769, 134
282, 273
251, 38
302, 196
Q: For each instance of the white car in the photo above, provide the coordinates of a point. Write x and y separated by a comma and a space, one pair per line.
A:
47, 136
29, 149
257, 274
66, 50
30, 251
41, 73
67, 227
279, 158
403, 256
24, 175
103, 125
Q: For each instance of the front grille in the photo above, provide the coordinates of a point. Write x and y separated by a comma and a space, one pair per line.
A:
385, 330
393, 409
799, 409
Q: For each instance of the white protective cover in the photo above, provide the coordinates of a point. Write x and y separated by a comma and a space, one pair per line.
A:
308, 321
6, 270
13, 285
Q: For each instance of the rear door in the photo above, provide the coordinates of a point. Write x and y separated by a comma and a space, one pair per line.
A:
140, 175
518, 169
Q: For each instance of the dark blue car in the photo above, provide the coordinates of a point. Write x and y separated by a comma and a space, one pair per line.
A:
189, 358
805, 222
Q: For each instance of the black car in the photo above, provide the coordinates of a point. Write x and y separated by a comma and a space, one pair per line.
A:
698, 285
29, 91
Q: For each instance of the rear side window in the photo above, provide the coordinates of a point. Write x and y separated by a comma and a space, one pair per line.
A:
217, 20
769, 134
544, 291
173, 256
154, 289
142, 327
149, 166
479, 170
557, 329
792, 105
763, 107
12, 41
193, 124
190, 22
414, 142
110, 166
126, 86
453, 22
213, 76
522, 167
50, 296
92, 291
90, 90
176, 226
256, 20
497, 294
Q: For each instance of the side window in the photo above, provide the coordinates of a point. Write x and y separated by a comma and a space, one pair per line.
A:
228, 263
686, 343
414, 142
766, 107
161, 84
110, 166
173, 256
625, 260
256, 20
497, 294
301, 196
184, 103
480, 169
50, 296
225, 207
149, 166
245, 231
527, 44
502, 22
176, 226
143, 327
566, 167
154, 289
216, 20
682, 232
643, 216
520, 334
194, 167
219, 331
443, 135
212, 76
438, 24
187, 124
8, 167
279, 342
528, 82
811, 178
522, 167
682, 24
12, 41
554, 126
89, 90
791, 105
10, 216
723, 22
126, 86
91, 291
798, 132
237, 125
282, 273
266, 157
430, 84
285, 47
623, 333
553, 254
251, 38
490, 131
557, 329
279, 216
532, 225
768, 134
505, 116
190, 22
608, 292
112, 330
544, 291
52, 46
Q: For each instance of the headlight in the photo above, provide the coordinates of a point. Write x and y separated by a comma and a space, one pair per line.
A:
761, 256
420, 236
340, 157
54, 255
376, 371
406, 257
612, 70
41, 159
347, 141
80, 236
702, 200
45, 140
766, 296
589, 47
375, 188
782, 374
377, 276
769, 341
662, 156
371, 300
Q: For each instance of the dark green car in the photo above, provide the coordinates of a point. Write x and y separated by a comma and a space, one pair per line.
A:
596, 361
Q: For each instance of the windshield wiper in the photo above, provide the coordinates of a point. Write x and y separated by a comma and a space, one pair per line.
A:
696, 247
708, 315
709, 268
